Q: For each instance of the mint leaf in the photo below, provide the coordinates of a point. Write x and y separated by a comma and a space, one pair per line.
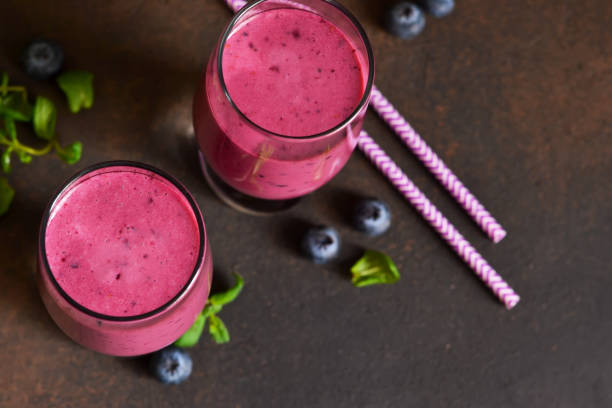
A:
6, 195
24, 157
11, 129
211, 309
16, 107
44, 118
190, 337
230, 295
78, 87
71, 153
374, 268
217, 330
5, 160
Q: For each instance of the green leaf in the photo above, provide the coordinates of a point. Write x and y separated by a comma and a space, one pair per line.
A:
5, 160
6, 195
71, 153
11, 129
211, 309
190, 337
24, 157
4, 83
78, 87
214, 305
16, 107
45, 116
374, 268
230, 295
217, 330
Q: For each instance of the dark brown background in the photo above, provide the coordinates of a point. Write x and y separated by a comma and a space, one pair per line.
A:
515, 96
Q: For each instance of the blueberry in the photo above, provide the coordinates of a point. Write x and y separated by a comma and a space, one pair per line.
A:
438, 8
372, 216
171, 365
321, 243
42, 59
405, 20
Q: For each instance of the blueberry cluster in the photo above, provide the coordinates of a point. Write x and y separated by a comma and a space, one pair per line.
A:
407, 19
370, 215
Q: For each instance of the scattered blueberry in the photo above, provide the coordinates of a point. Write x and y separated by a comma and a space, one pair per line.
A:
405, 20
171, 365
321, 244
372, 216
42, 59
438, 8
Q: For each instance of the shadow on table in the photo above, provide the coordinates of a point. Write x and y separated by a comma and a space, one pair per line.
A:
338, 204
373, 11
137, 365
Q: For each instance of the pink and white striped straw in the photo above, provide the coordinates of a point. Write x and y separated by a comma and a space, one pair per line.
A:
438, 221
436, 166
411, 192
235, 4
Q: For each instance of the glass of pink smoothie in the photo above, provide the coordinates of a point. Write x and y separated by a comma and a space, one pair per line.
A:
281, 103
124, 264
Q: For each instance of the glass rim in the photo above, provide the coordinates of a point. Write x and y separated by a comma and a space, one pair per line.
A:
123, 163
362, 102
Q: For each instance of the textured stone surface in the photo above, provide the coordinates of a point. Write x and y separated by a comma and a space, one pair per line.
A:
514, 97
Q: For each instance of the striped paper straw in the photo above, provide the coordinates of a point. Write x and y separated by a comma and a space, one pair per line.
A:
235, 4
436, 166
435, 218
438, 221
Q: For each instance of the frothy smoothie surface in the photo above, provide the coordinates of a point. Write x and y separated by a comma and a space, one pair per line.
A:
122, 243
292, 72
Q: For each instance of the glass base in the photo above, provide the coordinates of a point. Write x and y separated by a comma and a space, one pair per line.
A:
240, 201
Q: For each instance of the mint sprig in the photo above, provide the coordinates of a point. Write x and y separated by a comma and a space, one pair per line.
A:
78, 87
374, 268
9, 126
5, 160
216, 327
44, 118
71, 153
217, 330
191, 336
14, 107
223, 298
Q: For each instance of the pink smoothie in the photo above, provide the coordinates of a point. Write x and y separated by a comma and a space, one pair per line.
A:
122, 242
292, 73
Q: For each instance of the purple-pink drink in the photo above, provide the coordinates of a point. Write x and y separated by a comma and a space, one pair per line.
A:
124, 265
292, 72
297, 95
